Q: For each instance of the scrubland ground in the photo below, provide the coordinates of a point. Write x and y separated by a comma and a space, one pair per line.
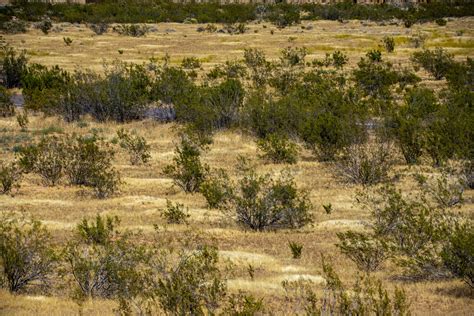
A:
145, 189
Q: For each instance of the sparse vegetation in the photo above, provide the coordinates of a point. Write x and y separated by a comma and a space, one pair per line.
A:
10, 176
136, 146
175, 213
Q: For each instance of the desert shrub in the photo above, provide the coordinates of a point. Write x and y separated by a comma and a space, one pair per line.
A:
217, 189
368, 296
15, 26
235, 28
261, 203
46, 158
6, 106
242, 304
120, 95
284, 15
100, 232
22, 120
441, 22
278, 149
99, 28
339, 59
67, 41
10, 176
375, 77
13, 67
44, 25
175, 214
26, 254
389, 44
366, 164
445, 190
437, 62
258, 66
187, 170
414, 228
367, 252
135, 30
136, 145
192, 283
458, 254
296, 249
101, 266
43, 87
461, 75
467, 173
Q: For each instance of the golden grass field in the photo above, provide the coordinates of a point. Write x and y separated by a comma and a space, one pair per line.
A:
146, 189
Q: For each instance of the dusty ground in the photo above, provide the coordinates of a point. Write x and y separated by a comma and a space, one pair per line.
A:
146, 189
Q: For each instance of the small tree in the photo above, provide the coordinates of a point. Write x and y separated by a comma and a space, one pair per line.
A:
187, 170
25, 251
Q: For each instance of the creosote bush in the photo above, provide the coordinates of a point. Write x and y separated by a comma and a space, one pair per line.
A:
217, 189
187, 170
261, 203
136, 145
99, 28
366, 164
26, 254
175, 213
437, 62
10, 176
278, 149
135, 30
13, 67
7, 108
389, 44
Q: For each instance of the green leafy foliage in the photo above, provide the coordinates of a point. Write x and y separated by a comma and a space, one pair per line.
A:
175, 214
26, 254
296, 249
13, 67
10, 176
437, 62
217, 189
278, 149
136, 145
6, 106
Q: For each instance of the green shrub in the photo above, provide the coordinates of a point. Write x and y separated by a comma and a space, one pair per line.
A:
367, 252
278, 149
47, 159
104, 262
100, 232
217, 189
458, 254
187, 170
192, 284
261, 203
389, 44
26, 253
441, 22
15, 26
242, 304
175, 214
136, 146
7, 108
296, 249
366, 164
135, 30
22, 120
437, 62
13, 67
10, 176
258, 66
67, 41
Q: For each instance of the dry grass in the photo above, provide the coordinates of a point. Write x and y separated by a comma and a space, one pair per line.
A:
146, 189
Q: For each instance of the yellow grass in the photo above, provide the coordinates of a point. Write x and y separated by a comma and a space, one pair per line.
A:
146, 189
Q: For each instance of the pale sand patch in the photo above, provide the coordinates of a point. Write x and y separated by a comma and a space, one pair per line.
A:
242, 257
342, 223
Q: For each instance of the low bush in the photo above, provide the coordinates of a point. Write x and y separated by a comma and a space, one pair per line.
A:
367, 252
187, 170
136, 145
217, 189
7, 108
13, 68
458, 253
441, 22
278, 149
242, 304
26, 253
15, 26
135, 30
389, 44
175, 214
296, 249
366, 164
10, 176
100, 232
437, 62
99, 28
261, 203
44, 25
